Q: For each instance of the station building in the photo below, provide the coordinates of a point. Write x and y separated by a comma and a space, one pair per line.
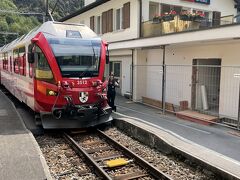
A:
181, 52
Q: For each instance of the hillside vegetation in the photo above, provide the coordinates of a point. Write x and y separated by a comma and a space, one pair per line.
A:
21, 24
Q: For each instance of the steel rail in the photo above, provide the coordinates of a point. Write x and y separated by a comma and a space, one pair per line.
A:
80, 151
140, 161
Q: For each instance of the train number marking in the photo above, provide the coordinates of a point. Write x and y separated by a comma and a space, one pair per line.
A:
84, 82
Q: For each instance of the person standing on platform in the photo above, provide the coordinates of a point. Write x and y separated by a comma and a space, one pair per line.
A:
111, 92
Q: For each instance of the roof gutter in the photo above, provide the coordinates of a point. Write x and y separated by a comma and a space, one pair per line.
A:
84, 9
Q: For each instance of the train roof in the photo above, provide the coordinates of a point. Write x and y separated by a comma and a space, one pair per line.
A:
52, 29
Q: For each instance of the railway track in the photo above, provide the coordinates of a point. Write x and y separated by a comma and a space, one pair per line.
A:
112, 160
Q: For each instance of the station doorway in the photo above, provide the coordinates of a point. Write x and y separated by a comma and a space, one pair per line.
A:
116, 68
206, 75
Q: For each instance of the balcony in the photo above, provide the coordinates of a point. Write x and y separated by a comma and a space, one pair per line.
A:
159, 28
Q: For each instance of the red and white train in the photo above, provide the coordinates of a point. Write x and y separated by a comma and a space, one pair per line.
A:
57, 70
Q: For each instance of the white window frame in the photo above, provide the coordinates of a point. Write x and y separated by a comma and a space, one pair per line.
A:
115, 19
98, 31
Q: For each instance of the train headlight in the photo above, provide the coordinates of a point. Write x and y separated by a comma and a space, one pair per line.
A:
94, 83
51, 93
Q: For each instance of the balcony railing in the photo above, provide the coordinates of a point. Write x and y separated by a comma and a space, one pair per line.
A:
151, 28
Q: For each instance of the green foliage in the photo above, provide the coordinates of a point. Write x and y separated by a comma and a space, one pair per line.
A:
14, 22
22, 24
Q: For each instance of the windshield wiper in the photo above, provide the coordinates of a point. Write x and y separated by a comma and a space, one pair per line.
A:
93, 51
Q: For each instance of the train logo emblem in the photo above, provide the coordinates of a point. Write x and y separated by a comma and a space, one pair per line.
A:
83, 97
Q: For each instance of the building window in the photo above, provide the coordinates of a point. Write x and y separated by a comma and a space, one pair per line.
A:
166, 8
153, 9
118, 19
98, 25
92, 23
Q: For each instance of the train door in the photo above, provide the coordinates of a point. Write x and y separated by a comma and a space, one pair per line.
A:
116, 67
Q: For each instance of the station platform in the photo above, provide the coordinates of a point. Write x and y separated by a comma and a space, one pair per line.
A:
20, 155
215, 144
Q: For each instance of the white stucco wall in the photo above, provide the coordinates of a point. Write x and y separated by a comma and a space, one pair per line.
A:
139, 75
179, 78
129, 33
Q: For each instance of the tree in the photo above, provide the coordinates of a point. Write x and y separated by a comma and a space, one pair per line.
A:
10, 22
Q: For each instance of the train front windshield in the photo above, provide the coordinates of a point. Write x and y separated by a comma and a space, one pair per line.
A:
77, 57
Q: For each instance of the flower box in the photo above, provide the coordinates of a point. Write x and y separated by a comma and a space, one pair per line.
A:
184, 17
168, 18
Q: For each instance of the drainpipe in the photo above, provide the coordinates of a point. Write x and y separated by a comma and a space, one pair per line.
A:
164, 79
238, 124
140, 19
132, 76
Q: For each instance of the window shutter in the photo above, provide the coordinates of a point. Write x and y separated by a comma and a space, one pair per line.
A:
110, 20
92, 22
104, 22
216, 18
126, 15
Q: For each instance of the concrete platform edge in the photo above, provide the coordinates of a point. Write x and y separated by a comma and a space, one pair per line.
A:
41, 157
168, 142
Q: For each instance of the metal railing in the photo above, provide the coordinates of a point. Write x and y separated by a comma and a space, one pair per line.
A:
208, 89
158, 28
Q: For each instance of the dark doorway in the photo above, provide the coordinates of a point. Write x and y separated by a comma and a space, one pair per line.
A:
206, 75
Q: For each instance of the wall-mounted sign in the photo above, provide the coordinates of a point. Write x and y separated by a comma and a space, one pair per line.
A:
199, 1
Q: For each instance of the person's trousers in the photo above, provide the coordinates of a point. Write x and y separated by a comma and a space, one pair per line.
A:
111, 98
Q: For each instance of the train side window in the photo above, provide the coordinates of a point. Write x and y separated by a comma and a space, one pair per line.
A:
42, 71
10, 63
22, 61
1, 60
15, 61
5, 67
30, 65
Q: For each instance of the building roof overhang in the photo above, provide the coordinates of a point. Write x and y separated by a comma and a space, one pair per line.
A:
226, 33
84, 9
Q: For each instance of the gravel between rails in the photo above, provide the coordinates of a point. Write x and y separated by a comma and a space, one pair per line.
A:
90, 141
172, 166
63, 162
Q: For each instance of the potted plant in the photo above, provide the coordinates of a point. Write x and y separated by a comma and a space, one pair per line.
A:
185, 16
198, 16
169, 16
